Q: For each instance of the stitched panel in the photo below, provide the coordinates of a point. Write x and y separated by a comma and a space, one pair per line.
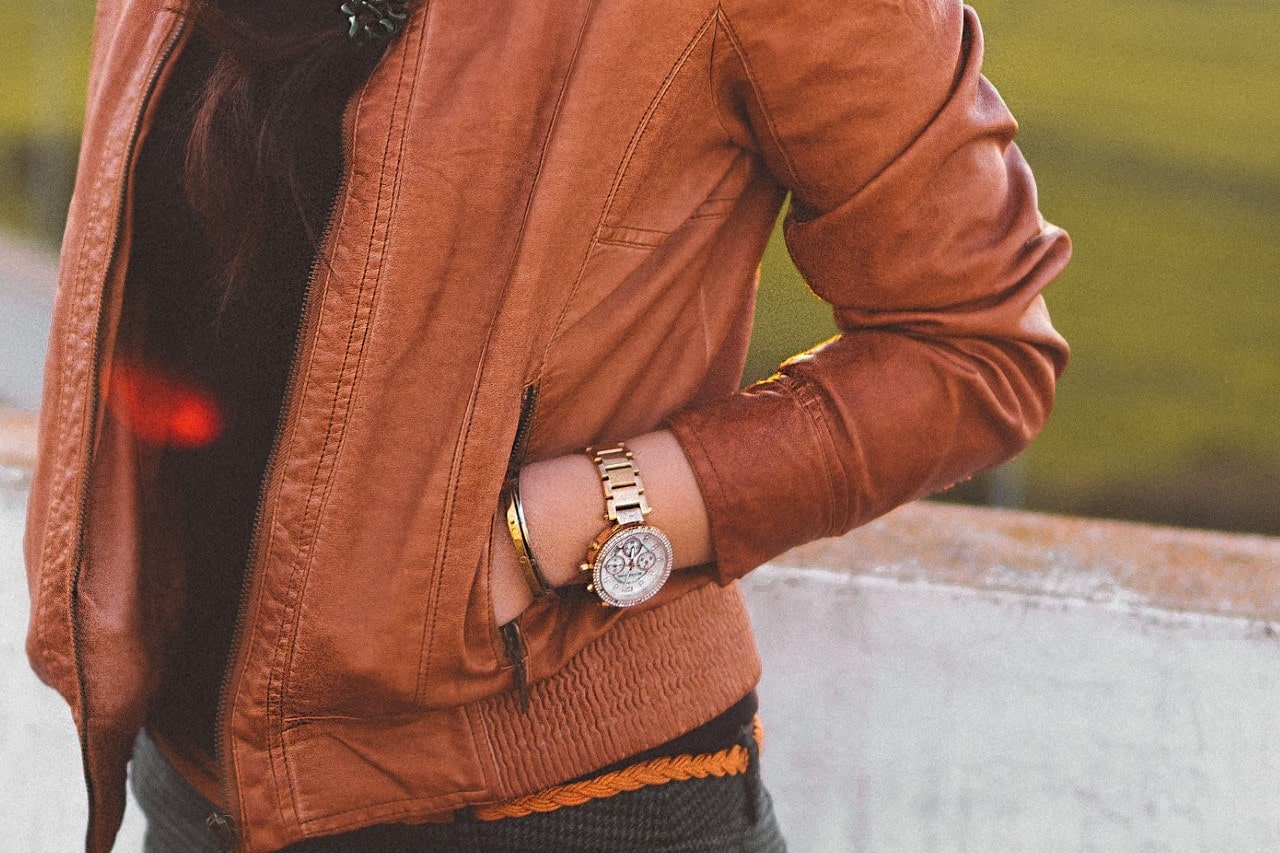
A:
676, 166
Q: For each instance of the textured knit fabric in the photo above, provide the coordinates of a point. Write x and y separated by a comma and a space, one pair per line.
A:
711, 815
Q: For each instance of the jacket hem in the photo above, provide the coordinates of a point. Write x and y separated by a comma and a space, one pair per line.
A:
699, 657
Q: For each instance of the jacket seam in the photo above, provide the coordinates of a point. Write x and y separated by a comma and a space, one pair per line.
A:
388, 186
621, 173
88, 225
628, 244
427, 644
712, 208
287, 641
711, 214
711, 74
753, 78
634, 228
817, 413
646, 120
119, 154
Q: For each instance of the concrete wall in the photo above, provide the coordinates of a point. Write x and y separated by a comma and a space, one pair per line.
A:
26, 310
1012, 695
944, 679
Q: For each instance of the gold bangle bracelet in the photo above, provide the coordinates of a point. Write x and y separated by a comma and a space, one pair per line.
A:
519, 534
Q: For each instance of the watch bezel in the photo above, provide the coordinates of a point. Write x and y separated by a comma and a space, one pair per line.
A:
594, 564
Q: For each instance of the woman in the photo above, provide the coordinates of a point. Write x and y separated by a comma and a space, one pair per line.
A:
376, 322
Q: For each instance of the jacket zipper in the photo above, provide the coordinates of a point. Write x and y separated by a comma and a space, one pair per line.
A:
528, 400
512, 639
135, 134
514, 645
226, 823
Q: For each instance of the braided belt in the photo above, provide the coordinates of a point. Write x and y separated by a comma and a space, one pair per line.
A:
731, 761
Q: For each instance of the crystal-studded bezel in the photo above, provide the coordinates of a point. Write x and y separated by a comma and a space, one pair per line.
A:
617, 593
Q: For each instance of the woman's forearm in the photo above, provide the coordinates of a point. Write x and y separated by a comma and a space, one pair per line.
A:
564, 510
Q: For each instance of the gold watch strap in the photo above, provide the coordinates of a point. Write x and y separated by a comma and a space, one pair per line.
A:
624, 497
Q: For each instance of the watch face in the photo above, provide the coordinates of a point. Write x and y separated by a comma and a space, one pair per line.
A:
632, 565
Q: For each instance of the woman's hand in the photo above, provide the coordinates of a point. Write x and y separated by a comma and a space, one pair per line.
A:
564, 511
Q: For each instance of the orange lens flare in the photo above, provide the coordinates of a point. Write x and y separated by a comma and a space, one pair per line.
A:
161, 408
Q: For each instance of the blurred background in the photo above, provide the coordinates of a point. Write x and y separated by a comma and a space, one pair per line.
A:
1152, 127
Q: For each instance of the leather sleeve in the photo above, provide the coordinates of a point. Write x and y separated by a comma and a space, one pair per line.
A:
915, 216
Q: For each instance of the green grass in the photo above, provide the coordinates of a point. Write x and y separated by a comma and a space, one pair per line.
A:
44, 59
1175, 330
1188, 83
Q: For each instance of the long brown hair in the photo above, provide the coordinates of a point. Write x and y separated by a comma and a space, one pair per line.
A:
284, 70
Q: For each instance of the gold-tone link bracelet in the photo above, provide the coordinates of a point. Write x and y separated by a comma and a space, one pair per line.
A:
624, 496
533, 575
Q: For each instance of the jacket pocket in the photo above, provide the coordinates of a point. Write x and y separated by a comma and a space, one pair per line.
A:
514, 657
510, 648
713, 209
413, 628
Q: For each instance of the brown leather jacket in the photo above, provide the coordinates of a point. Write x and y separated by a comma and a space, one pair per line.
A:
552, 219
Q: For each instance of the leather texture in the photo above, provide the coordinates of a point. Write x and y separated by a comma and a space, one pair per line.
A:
572, 195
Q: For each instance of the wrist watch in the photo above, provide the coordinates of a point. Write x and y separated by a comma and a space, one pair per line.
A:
630, 560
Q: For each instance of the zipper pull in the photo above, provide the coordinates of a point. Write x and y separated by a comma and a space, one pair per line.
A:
223, 827
513, 642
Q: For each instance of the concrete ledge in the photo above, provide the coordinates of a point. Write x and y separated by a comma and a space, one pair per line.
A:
28, 283
28, 271
957, 679
1037, 554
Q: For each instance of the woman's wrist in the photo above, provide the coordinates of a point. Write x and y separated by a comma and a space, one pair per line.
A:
564, 511
564, 506
561, 518
508, 589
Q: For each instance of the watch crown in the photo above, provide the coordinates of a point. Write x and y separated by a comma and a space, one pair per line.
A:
591, 587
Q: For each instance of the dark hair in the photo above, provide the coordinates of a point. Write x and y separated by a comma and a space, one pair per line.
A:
284, 70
